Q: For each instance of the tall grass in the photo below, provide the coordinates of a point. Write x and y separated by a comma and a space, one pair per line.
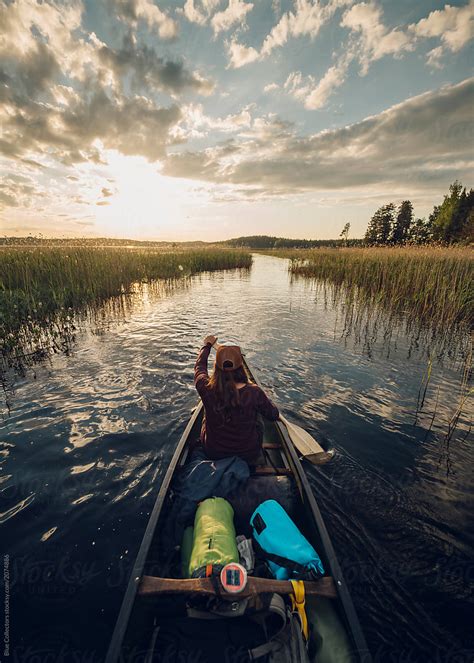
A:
41, 286
434, 285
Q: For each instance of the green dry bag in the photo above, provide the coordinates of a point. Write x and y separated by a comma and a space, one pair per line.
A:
186, 550
214, 543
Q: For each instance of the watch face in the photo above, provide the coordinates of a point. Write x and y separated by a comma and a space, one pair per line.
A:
233, 578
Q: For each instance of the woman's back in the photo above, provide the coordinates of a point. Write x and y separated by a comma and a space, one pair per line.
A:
230, 428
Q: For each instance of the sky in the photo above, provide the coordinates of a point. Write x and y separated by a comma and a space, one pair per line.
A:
211, 119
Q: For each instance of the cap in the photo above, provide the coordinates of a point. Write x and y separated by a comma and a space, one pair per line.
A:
229, 357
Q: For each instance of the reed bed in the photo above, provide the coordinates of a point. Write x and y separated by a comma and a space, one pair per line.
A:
434, 285
42, 288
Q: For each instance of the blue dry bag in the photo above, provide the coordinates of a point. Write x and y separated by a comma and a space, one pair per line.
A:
287, 552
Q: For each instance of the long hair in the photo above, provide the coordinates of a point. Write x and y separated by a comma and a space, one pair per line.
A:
223, 384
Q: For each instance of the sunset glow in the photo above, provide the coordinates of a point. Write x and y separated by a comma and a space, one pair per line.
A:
168, 120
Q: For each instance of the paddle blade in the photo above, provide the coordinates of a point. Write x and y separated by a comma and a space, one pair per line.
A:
321, 458
307, 446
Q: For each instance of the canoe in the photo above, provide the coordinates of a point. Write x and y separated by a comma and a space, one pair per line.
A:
154, 606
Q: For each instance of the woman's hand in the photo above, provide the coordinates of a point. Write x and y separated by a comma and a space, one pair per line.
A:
210, 339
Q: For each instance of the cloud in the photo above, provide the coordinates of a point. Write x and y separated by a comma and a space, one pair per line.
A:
65, 95
78, 200
132, 11
144, 69
420, 143
370, 40
7, 199
375, 39
74, 134
240, 55
315, 94
17, 190
196, 124
199, 14
84, 223
306, 19
271, 87
434, 56
34, 72
44, 42
220, 21
453, 25
235, 12
132, 126
27, 24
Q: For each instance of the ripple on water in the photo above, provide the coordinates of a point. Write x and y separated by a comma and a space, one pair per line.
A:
48, 534
90, 439
82, 499
14, 510
79, 469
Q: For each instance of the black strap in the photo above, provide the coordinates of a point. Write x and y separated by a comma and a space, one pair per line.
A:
201, 571
295, 568
216, 585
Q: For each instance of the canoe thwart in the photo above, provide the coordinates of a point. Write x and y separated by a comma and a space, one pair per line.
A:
263, 470
152, 586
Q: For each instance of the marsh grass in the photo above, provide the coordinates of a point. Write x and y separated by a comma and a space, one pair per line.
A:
432, 286
42, 289
423, 296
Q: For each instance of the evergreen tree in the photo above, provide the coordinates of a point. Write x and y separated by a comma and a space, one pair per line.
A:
371, 232
385, 223
420, 232
461, 223
467, 232
452, 221
380, 226
403, 222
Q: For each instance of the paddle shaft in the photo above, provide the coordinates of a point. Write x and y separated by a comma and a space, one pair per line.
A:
303, 441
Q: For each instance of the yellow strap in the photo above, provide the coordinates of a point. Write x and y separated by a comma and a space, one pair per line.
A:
298, 603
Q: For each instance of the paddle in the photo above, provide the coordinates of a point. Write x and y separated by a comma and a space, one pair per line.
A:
306, 444
303, 441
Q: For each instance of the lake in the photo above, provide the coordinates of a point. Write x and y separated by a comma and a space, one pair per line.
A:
89, 435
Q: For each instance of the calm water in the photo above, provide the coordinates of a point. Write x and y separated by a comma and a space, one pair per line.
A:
87, 442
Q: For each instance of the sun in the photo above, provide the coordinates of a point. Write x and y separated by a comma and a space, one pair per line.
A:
142, 203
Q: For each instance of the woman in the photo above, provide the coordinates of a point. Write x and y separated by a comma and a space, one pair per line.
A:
231, 404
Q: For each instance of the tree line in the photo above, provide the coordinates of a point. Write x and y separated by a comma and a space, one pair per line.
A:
270, 242
452, 221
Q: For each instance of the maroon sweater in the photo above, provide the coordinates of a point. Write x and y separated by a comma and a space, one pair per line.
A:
239, 436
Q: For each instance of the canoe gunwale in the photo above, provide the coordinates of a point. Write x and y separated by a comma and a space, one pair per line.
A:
137, 570
308, 498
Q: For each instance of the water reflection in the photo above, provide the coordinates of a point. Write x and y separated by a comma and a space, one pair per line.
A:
36, 342
91, 437
372, 326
